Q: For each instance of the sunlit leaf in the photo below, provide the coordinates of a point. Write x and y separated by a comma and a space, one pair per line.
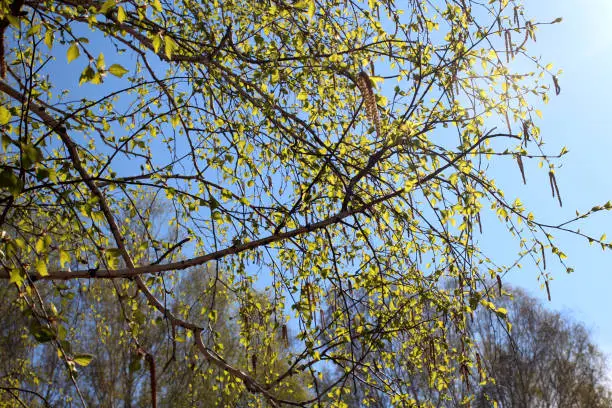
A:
156, 4
83, 359
117, 70
121, 15
49, 38
41, 267
169, 46
73, 52
5, 115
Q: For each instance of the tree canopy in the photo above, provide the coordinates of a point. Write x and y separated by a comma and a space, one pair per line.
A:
332, 162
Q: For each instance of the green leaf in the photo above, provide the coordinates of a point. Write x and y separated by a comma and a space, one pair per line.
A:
474, 300
62, 332
40, 246
5, 115
9, 181
114, 252
6, 141
302, 96
113, 256
13, 20
109, 4
33, 30
121, 16
87, 75
64, 257
156, 4
97, 79
157, 42
311, 9
169, 46
42, 173
53, 310
16, 276
42, 334
73, 52
117, 70
30, 155
100, 64
41, 267
501, 312
49, 37
83, 359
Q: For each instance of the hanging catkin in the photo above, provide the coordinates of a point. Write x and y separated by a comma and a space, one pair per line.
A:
369, 99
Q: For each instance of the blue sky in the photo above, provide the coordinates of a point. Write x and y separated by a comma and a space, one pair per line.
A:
578, 118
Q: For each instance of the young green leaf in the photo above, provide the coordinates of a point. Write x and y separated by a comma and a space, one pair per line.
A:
121, 16
42, 334
169, 46
16, 276
49, 37
156, 4
5, 115
83, 359
157, 42
117, 70
73, 52
87, 75
40, 245
100, 64
108, 4
64, 257
41, 267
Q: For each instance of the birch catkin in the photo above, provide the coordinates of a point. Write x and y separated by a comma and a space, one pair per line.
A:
364, 83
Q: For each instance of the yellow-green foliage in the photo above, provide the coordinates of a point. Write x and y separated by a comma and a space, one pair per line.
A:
332, 159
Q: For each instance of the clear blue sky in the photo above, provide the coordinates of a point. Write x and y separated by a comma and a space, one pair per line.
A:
582, 47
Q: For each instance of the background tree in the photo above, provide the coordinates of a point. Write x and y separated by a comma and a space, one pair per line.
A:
335, 153
106, 318
547, 360
120, 374
543, 359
